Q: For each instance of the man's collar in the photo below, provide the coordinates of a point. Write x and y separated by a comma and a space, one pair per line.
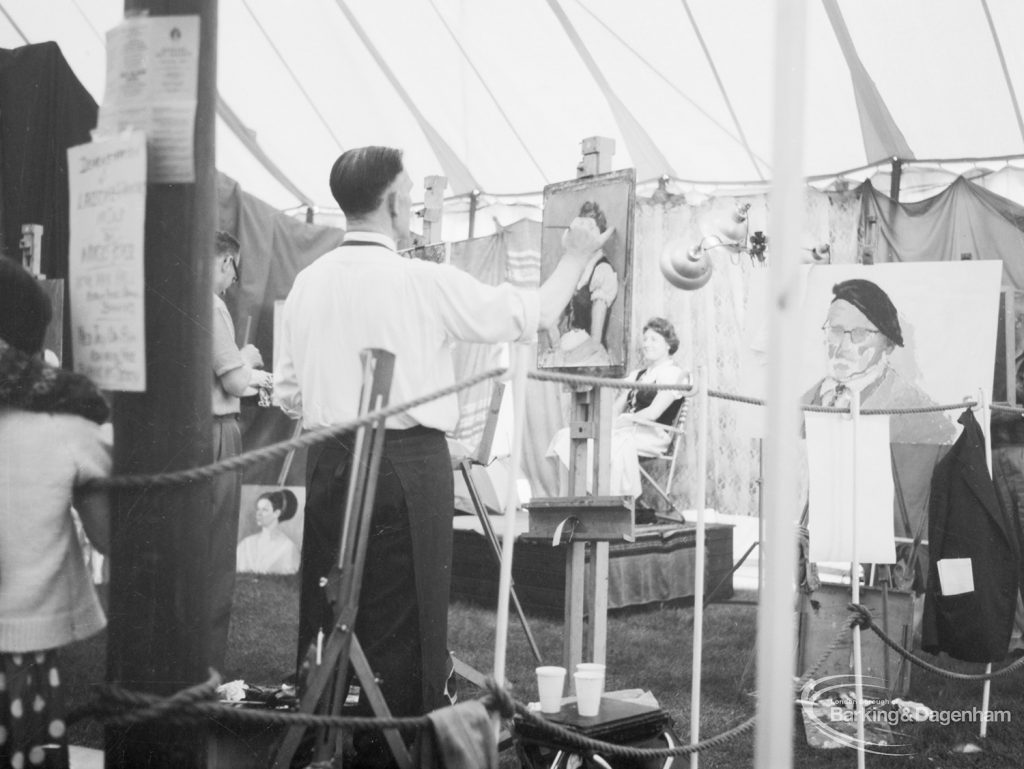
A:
858, 383
371, 237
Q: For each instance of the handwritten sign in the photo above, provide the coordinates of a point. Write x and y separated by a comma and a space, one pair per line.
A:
107, 190
152, 82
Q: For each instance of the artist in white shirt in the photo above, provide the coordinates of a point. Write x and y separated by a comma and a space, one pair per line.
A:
364, 295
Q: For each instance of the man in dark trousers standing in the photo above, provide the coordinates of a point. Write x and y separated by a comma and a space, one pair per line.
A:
234, 372
364, 295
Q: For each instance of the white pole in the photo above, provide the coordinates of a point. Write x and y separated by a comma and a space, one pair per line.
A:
985, 412
520, 356
858, 667
776, 638
703, 403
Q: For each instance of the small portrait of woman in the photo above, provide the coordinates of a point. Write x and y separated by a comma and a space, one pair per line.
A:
270, 550
579, 337
591, 333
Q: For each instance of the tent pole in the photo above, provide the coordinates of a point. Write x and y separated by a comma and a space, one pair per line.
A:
474, 199
776, 637
895, 179
158, 634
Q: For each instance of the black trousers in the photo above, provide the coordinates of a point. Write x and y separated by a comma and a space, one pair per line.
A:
402, 620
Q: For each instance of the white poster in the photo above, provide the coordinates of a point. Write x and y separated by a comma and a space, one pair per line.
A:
851, 489
152, 80
107, 200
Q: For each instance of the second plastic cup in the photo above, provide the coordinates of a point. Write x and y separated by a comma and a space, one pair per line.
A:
589, 684
550, 683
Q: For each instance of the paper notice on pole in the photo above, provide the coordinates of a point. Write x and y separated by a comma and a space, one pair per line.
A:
152, 82
834, 489
107, 206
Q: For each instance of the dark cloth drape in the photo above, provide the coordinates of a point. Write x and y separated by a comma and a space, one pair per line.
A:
43, 111
512, 254
962, 220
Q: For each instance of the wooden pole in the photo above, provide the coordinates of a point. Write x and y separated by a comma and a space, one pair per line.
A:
895, 180
433, 207
776, 658
157, 635
474, 200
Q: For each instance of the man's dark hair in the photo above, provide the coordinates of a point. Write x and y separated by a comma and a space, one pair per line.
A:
593, 210
667, 330
25, 309
360, 176
225, 244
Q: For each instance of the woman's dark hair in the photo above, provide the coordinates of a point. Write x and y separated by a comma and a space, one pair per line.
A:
593, 210
667, 330
283, 500
360, 176
25, 310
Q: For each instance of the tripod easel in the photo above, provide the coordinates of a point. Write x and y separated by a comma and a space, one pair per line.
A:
326, 688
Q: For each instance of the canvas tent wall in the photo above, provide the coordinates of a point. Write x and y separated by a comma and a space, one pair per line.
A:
497, 96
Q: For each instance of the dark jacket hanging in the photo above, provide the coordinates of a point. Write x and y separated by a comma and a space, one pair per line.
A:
966, 521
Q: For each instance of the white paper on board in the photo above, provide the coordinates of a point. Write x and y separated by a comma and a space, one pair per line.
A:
955, 576
152, 86
833, 492
107, 219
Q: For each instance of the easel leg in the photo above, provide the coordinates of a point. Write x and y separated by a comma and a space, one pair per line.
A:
597, 589
492, 538
572, 643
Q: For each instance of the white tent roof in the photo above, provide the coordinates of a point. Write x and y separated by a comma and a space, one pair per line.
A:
497, 95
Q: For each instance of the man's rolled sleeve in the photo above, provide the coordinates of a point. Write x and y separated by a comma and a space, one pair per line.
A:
473, 311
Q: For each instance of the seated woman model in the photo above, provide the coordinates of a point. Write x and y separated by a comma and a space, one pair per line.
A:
641, 416
270, 550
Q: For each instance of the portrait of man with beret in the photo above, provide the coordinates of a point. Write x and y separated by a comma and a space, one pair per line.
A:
861, 330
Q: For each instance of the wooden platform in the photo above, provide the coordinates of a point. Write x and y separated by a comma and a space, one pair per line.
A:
658, 567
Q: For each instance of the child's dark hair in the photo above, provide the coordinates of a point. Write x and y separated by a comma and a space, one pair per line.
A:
25, 310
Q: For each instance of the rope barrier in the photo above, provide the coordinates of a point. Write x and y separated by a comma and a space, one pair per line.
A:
313, 437
862, 617
275, 450
120, 707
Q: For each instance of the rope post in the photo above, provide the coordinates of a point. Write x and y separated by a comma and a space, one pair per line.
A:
521, 354
986, 423
158, 635
858, 664
698, 577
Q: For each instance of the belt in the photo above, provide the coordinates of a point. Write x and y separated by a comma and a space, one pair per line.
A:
225, 416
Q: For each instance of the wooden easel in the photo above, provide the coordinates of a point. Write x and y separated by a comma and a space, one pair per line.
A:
326, 688
586, 520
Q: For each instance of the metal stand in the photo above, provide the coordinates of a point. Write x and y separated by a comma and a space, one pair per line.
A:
329, 676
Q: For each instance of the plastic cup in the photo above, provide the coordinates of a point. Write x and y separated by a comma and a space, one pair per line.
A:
592, 667
589, 684
550, 683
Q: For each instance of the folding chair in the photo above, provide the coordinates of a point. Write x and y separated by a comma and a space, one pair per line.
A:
670, 457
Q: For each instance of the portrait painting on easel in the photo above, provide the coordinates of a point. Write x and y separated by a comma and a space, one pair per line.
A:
884, 330
591, 334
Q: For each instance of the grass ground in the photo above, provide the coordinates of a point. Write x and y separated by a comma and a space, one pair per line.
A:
649, 648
